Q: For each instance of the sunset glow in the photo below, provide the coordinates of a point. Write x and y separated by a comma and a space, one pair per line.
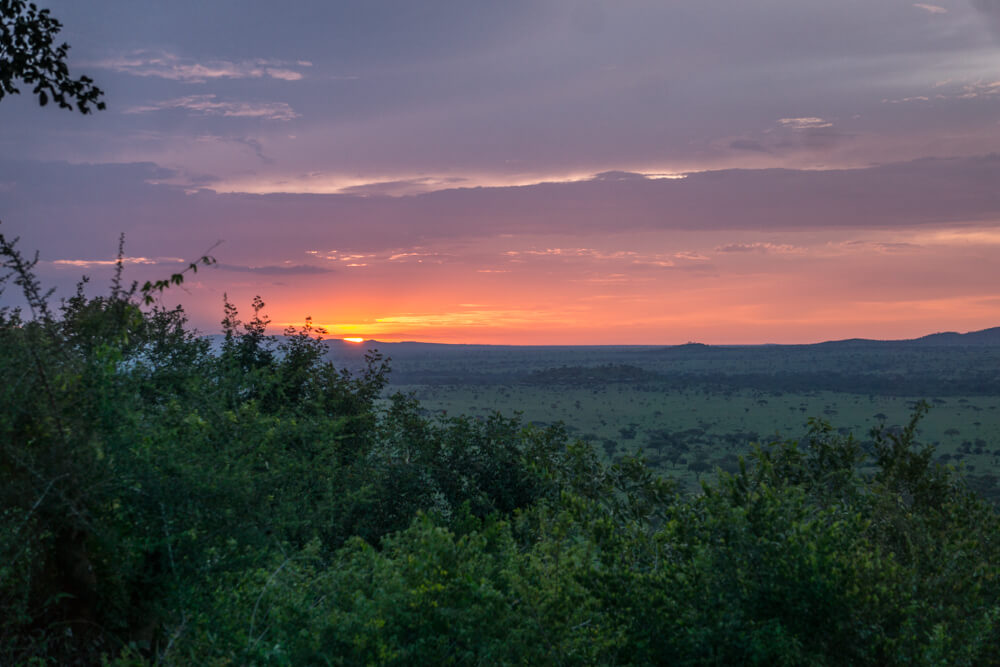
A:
539, 174
354, 340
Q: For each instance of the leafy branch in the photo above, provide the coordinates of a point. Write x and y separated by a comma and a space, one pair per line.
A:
156, 286
28, 52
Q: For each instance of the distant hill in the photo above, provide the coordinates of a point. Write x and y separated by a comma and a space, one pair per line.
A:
985, 337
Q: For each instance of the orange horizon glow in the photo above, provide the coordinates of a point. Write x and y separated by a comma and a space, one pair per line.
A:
727, 324
718, 288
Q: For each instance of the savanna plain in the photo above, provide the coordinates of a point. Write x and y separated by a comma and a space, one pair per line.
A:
688, 409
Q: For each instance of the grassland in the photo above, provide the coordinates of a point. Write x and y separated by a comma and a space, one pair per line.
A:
692, 408
716, 427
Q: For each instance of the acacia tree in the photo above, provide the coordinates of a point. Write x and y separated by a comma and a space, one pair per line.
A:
29, 53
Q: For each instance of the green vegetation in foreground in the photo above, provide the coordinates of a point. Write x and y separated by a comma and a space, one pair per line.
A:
164, 503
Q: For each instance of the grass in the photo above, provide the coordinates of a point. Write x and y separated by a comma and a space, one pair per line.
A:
718, 426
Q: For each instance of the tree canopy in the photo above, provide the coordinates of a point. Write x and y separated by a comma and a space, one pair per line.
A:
29, 53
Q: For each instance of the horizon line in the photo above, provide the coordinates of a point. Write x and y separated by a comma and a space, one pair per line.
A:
361, 341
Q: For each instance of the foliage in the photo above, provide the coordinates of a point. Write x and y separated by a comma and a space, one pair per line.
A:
151, 287
169, 501
28, 52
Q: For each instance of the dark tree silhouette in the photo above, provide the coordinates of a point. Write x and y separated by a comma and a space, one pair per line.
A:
28, 53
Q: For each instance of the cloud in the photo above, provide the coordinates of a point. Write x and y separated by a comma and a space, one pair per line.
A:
619, 176
346, 257
405, 255
590, 253
933, 9
788, 138
629, 257
757, 246
256, 147
401, 187
748, 145
912, 98
979, 89
982, 236
102, 200
883, 246
690, 255
91, 263
805, 123
166, 65
283, 74
898, 246
962, 91
206, 105
290, 270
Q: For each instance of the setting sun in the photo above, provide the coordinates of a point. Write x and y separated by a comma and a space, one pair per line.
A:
355, 340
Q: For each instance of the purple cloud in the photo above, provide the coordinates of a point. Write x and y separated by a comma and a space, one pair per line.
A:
208, 105
170, 66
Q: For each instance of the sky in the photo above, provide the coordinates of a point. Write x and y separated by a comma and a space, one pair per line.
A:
530, 171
